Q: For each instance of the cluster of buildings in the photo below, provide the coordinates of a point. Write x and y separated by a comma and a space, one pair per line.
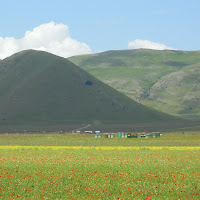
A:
98, 134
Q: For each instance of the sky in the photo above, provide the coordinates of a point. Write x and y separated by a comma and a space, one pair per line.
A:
75, 27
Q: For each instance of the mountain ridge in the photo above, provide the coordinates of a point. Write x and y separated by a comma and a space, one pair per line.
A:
140, 73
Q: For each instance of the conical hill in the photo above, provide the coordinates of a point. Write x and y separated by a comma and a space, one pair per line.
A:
37, 86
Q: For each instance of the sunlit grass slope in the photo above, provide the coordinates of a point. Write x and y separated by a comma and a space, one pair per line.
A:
165, 80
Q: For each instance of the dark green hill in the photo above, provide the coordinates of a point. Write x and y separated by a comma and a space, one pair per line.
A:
164, 80
38, 87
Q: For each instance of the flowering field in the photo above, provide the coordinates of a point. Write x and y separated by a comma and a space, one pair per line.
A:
100, 172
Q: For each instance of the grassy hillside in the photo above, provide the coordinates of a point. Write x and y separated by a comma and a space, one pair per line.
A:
165, 80
38, 87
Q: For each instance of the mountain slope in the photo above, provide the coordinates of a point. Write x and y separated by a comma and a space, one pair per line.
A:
43, 88
150, 77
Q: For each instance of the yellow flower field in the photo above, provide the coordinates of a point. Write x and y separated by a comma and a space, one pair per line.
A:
104, 147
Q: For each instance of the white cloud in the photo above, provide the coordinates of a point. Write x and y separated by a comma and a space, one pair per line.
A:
146, 44
50, 37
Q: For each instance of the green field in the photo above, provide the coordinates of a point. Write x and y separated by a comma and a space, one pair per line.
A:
78, 166
179, 138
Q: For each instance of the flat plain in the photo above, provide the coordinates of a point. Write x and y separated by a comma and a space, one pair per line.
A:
78, 166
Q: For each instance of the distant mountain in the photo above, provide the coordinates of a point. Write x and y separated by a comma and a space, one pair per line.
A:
167, 80
38, 87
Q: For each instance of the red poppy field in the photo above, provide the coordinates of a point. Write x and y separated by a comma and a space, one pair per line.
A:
37, 172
